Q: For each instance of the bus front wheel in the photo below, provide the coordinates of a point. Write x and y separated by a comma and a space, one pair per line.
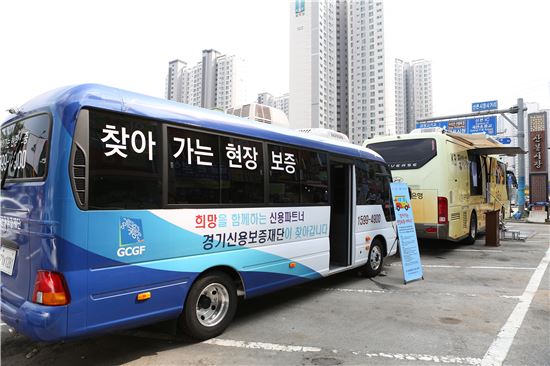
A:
472, 233
375, 260
210, 306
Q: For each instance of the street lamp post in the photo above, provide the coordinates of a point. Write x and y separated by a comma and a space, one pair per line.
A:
521, 159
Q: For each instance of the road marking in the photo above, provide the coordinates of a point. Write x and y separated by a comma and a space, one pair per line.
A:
356, 290
479, 250
2, 324
394, 356
470, 267
497, 352
497, 267
510, 297
261, 345
421, 357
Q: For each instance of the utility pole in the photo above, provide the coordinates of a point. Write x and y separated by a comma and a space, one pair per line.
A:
521, 158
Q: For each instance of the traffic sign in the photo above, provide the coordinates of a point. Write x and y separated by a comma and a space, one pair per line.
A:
486, 125
504, 140
484, 106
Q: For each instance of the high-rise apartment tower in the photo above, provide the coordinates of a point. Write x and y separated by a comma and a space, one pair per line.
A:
413, 93
215, 82
337, 67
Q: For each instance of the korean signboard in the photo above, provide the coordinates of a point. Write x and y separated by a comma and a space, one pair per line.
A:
538, 166
484, 106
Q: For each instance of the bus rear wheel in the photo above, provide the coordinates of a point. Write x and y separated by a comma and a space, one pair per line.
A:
375, 260
210, 306
472, 233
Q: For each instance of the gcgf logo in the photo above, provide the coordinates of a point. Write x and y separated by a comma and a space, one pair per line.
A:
130, 237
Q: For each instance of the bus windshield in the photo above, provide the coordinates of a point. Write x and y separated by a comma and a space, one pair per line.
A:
406, 154
30, 138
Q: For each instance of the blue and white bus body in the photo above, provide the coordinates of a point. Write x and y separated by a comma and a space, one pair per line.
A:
108, 257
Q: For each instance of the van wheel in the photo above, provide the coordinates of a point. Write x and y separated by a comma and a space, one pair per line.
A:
210, 306
376, 259
472, 233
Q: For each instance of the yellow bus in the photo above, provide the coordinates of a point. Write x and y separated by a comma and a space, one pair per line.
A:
454, 179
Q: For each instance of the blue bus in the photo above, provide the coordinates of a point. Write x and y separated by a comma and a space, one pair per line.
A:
120, 210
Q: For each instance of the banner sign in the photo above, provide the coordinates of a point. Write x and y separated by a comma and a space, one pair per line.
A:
538, 157
408, 243
484, 106
486, 125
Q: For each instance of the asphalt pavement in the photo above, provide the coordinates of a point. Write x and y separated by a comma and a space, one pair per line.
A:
477, 305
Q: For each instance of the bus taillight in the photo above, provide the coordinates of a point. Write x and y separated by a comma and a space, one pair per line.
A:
51, 289
442, 210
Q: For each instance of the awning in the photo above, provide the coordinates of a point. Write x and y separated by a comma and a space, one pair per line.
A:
500, 150
480, 144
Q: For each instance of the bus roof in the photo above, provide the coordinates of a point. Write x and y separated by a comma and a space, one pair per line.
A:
118, 100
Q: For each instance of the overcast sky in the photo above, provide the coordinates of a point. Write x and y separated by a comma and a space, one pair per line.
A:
480, 50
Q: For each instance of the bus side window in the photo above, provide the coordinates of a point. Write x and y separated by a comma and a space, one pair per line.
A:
373, 186
125, 162
284, 179
313, 177
242, 167
387, 205
193, 167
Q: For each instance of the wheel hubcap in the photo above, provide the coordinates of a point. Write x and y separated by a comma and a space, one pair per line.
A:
375, 257
212, 305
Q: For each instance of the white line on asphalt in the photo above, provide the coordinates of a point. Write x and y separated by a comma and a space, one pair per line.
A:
420, 357
497, 352
510, 297
478, 250
2, 324
260, 345
394, 356
358, 290
470, 267
496, 267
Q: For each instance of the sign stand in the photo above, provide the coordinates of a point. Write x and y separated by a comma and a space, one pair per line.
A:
408, 243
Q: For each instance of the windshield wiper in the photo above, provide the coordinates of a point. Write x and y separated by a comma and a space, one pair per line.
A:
10, 162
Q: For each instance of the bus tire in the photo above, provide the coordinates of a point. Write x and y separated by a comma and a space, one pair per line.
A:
375, 260
210, 306
472, 232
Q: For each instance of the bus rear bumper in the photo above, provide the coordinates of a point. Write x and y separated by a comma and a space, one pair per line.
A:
432, 231
38, 322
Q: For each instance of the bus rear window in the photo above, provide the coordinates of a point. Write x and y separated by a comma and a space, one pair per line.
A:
25, 148
406, 154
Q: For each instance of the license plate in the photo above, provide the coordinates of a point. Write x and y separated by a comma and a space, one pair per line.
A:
7, 260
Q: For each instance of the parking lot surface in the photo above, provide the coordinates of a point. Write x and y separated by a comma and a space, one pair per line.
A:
476, 305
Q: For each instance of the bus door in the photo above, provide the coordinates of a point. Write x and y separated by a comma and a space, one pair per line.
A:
340, 213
